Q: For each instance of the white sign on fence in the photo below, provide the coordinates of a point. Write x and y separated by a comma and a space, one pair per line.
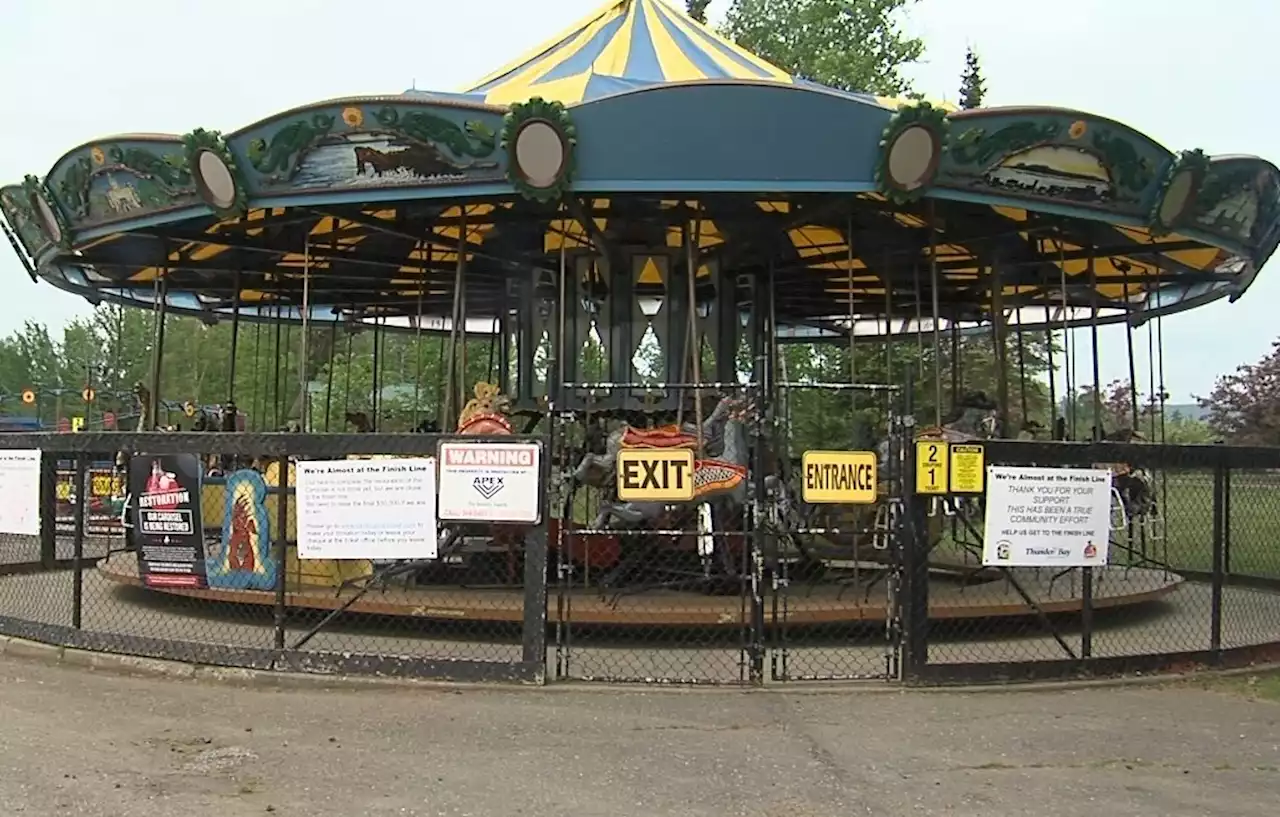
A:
381, 509
489, 482
1047, 517
20, 492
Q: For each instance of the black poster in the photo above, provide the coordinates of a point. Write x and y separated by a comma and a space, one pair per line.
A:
168, 527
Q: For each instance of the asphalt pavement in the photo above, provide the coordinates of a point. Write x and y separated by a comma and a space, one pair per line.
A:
79, 741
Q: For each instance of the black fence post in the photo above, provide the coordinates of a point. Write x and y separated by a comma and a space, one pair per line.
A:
913, 600
535, 578
48, 509
1226, 519
83, 491
1220, 526
1086, 613
282, 547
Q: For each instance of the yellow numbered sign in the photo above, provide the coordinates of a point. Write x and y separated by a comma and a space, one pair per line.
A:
77, 424
967, 469
655, 474
931, 467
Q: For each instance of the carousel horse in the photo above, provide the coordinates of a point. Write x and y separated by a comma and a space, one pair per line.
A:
359, 420
598, 470
719, 467
485, 414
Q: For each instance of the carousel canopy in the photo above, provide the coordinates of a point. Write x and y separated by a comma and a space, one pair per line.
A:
613, 149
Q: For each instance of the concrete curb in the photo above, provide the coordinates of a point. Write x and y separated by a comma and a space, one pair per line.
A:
134, 666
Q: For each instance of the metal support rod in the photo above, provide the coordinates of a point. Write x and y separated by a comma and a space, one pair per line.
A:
152, 408
235, 337
328, 386
1098, 431
304, 401
937, 338
695, 338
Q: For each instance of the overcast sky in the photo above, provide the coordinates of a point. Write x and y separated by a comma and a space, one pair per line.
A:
73, 70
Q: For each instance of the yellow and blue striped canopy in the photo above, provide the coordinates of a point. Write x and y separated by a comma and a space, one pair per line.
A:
626, 44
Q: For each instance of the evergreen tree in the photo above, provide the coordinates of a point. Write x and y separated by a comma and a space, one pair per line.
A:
972, 87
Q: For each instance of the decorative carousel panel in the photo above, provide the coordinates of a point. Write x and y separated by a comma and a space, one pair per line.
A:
118, 180
19, 210
370, 145
1056, 157
1239, 200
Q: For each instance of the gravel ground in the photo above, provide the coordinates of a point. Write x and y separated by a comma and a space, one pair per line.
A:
82, 742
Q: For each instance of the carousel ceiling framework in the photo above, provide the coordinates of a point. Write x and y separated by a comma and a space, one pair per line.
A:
605, 149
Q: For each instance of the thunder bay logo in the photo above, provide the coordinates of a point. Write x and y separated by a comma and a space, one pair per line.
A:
487, 487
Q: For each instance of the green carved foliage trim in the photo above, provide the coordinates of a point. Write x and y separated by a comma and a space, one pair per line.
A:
923, 115
277, 157
1176, 196
473, 138
201, 141
557, 116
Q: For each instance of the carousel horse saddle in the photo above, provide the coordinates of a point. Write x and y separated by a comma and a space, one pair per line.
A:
671, 436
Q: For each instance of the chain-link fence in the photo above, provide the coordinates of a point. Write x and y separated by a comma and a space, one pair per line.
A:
186, 546
1187, 578
893, 590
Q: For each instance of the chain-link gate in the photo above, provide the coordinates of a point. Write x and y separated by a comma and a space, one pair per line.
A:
836, 566
653, 589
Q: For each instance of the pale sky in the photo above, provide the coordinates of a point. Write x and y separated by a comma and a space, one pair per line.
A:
1190, 76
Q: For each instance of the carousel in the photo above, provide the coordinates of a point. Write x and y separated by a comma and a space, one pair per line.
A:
618, 241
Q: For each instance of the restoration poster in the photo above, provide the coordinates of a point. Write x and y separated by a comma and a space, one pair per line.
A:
167, 522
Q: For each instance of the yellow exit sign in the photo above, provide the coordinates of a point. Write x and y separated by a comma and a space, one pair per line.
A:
655, 475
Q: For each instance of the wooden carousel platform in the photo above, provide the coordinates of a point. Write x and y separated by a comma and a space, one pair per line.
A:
825, 602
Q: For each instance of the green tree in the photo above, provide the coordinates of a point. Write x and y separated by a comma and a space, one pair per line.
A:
698, 9
854, 45
972, 87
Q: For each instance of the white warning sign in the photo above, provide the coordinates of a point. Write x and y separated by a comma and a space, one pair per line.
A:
489, 482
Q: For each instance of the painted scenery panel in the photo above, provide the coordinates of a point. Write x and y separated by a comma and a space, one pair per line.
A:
1058, 158
122, 180
371, 146
22, 218
1239, 200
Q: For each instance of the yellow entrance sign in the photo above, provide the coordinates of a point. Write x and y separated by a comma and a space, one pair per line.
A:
655, 475
967, 469
931, 467
847, 477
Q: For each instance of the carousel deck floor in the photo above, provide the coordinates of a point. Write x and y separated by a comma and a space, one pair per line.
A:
805, 604
1177, 622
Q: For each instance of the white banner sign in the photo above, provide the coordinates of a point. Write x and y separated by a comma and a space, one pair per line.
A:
1047, 517
367, 509
20, 492
489, 482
